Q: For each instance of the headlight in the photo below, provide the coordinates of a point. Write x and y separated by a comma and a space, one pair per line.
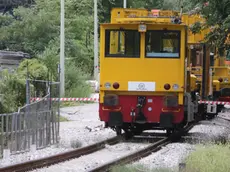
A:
107, 85
175, 86
225, 79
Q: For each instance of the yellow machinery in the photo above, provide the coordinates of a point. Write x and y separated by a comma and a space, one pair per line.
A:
145, 79
195, 52
220, 71
213, 75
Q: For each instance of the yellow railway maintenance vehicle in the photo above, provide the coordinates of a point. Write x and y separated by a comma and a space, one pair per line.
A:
144, 82
217, 72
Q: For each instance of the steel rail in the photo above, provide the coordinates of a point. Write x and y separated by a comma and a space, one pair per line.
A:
47, 161
133, 156
143, 152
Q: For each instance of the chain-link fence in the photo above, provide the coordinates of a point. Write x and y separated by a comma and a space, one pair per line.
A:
34, 126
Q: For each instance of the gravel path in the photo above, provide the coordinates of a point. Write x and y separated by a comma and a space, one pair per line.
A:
84, 121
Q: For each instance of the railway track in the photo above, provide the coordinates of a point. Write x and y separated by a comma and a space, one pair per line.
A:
143, 152
157, 142
51, 160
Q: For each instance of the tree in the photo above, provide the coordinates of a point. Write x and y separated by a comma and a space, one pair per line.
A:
36, 31
217, 15
106, 6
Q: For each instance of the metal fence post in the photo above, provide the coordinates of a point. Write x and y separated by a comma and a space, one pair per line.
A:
27, 86
59, 96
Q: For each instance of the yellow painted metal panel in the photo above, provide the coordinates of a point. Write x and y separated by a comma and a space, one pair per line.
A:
158, 70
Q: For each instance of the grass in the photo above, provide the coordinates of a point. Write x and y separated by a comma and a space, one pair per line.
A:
63, 119
206, 158
69, 104
209, 158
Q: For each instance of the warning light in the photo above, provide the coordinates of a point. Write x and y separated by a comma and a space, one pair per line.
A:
155, 12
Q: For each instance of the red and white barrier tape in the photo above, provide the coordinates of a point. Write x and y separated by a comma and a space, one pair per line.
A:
97, 99
214, 102
68, 99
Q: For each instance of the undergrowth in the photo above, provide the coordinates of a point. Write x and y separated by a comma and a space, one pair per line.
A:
209, 158
70, 104
62, 119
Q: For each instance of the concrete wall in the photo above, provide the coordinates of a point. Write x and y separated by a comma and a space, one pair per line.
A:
10, 59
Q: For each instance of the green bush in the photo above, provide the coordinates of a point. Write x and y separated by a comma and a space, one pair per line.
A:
75, 84
13, 85
36, 68
13, 92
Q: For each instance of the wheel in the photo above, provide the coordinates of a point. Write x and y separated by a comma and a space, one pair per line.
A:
128, 134
169, 132
118, 130
137, 131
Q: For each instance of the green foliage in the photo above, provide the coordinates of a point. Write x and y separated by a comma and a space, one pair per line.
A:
196, 28
35, 68
217, 15
13, 85
13, 92
75, 82
36, 27
50, 58
106, 6
209, 158
37, 32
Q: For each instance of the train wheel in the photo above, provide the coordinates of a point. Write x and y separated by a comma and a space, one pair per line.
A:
169, 132
128, 134
137, 131
118, 130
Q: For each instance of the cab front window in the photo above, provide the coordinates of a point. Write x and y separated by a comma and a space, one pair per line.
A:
163, 44
122, 43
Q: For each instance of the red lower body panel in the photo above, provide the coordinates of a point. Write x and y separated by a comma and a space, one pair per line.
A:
152, 109
224, 99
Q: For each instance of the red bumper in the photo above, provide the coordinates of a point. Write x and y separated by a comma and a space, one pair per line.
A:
152, 109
